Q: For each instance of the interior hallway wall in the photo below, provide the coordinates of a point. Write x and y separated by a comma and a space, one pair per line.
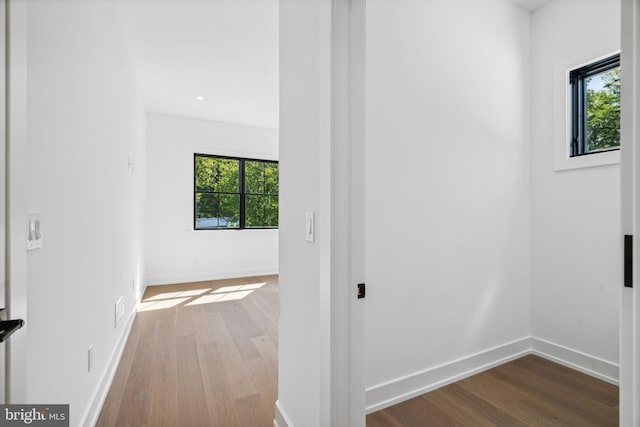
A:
447, 199
575, 219
174, 251
85, 172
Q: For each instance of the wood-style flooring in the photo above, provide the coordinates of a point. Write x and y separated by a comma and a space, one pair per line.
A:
529, 391
200, 354
205, 354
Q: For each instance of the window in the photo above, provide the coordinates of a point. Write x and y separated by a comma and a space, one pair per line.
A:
595, 107
234, 193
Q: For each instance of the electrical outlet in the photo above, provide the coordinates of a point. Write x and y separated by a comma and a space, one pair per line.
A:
133, 284
90, 358
119, 311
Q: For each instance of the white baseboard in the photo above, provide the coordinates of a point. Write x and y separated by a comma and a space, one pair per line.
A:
390, 393
203, 277
585, 363
282, 420
90, 417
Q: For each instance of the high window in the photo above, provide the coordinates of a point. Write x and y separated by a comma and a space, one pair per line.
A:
595, 107
234, 193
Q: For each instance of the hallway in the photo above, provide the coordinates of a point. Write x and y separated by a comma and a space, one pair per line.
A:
200, 354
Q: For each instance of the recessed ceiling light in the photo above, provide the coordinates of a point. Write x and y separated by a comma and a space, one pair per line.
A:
200, 98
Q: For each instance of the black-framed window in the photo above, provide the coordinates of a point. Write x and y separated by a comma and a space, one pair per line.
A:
234, 193
595, 107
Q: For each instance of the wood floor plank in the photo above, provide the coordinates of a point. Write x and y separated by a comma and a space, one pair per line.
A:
382, 419
253, 412
268, 352
557, 393
220, 402
136, 396
430, 413
238, 332
196, 361
529, 391
269, 327
448, 401
185, 320
263, 380
164, 395
594, 388
111, 407
192, 404
529, 409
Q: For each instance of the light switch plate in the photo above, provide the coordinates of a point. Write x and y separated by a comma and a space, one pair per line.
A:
34, 230
310, 227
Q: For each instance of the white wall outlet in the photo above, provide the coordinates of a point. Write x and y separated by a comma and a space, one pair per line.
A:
310, 227
119, 311
90, 358
34, 230
133, 284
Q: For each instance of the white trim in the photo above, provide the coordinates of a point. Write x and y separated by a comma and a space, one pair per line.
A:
90, 417
630, 206
281, 420
574, 359
205, 277
392, 392
562, 120
215, 151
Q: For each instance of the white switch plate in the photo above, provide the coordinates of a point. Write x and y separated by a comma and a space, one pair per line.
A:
34, 230
310, 227
90, 358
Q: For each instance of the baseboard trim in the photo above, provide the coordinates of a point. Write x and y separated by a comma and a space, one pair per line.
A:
203, 277
90, 417
390, 393
281, 420
585, 363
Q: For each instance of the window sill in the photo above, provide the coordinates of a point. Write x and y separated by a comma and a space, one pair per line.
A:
236, 230
588, 161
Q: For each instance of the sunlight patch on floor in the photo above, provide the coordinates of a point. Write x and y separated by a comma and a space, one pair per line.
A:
160, 305
193, 297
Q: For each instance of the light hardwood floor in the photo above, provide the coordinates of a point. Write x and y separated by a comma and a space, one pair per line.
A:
530, 391
200, 354
205, 354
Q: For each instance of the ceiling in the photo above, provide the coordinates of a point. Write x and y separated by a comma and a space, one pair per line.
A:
224, 51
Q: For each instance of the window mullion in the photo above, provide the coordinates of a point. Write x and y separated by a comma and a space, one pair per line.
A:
241, 184
582, 122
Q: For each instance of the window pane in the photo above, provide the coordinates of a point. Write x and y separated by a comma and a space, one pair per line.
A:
261, 211
603, 110
213, 174
217, 210
261, 177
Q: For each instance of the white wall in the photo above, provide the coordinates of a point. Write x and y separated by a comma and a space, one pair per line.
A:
174, 252
447, 209
84, 124
575, 220
304, 141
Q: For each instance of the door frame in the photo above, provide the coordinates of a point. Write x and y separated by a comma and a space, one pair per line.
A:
630, 210
16, 196
343, 395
